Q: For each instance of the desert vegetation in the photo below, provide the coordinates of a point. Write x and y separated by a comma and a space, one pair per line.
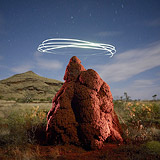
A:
22, 132
29, 87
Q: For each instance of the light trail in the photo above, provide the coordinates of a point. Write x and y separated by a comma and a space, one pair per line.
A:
50, 45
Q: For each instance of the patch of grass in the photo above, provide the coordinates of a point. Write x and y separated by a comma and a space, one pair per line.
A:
22, 128
140, 120
137, 152
153, 147
29, 152
23, 125
1, 97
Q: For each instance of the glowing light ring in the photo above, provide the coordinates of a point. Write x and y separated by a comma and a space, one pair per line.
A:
50, 45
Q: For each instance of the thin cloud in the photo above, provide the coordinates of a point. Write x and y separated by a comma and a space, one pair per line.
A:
136, 93
139, 89
38, 63
146, 83
143, 83
49, 64
109, 33
38, 54
154, 23
158, 74
131, 63
22, 68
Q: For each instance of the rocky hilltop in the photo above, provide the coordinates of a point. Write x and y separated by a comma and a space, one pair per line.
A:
82, 111
28, 86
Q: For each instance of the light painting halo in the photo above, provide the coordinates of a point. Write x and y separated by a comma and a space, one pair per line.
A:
50, 45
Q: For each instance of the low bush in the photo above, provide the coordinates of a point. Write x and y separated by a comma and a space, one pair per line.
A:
153, 146
23, 126
139, 120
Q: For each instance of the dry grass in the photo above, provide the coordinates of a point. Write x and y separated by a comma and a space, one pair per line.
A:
140, 120
21, 125
27, 87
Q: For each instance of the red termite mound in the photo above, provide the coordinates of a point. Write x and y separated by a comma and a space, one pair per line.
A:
82, 111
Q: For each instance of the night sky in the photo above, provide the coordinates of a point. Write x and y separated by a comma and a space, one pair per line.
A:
132, 26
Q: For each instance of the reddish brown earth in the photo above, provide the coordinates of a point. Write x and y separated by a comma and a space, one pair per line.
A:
72, 152
67, 152
82, 111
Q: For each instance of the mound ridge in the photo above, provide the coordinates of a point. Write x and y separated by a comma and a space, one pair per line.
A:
82, 112
29, 84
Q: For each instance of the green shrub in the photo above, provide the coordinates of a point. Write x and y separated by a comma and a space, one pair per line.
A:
1, 97
24, 100
24, 126
153, 146
11, 99
156, 110
42, 100
138, 119
49, 99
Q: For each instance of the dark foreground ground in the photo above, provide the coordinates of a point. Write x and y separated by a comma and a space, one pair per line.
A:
70, 152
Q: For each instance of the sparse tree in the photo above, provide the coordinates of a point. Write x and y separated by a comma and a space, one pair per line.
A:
121, 98
126, 96
154, 97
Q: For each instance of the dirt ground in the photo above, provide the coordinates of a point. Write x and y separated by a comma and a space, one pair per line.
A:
70, 152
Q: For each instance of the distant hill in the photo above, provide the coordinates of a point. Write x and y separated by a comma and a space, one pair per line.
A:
28, 86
